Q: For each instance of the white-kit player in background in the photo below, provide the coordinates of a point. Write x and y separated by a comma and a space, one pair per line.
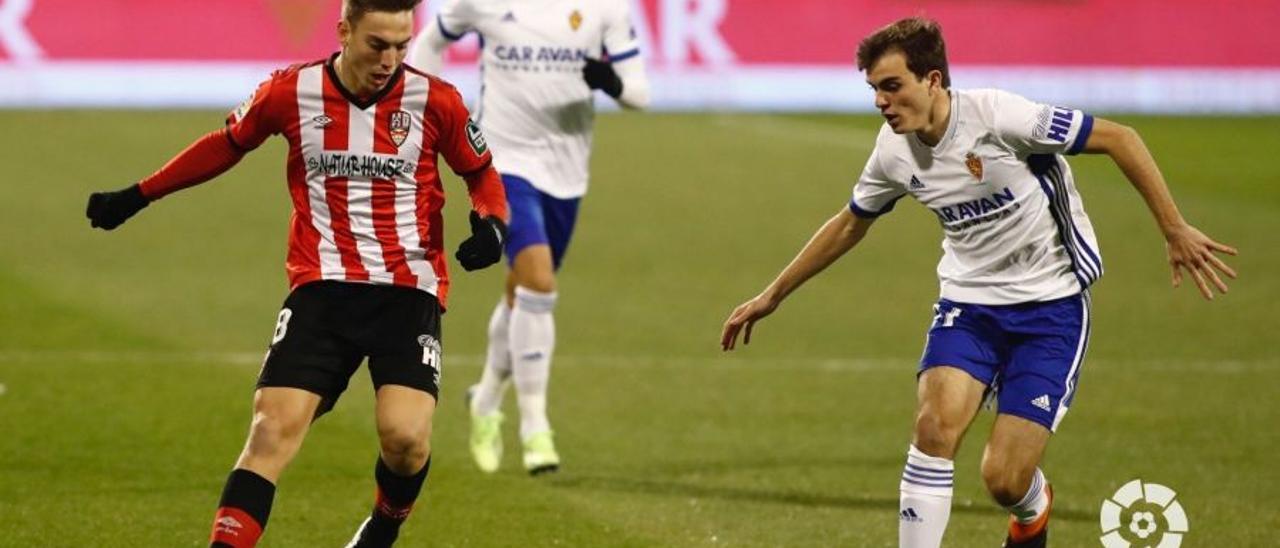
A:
540, 63
1019, 256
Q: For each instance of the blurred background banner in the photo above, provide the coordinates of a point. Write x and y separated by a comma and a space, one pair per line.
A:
1139, 56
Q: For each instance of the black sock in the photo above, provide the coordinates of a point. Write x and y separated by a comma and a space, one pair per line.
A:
246, 495
396, 493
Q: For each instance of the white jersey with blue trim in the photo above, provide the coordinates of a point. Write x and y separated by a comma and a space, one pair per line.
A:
535, 109
1014, 228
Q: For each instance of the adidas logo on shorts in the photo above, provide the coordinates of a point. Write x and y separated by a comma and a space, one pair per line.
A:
1041, 402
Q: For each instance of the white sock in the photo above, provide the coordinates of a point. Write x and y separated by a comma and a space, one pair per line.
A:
497, 363
924, 500
1034, 503
532, 339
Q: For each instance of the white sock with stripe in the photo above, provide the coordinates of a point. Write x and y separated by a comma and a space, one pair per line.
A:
1034, 503
497, 363
924, 501
532, 339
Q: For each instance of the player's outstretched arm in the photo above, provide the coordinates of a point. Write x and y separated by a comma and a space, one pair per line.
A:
428, 50
1188, 248
205, 159
625, 80
833, 240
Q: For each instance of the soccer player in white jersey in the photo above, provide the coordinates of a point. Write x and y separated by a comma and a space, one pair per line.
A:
540, 63
366, 264
1019, 256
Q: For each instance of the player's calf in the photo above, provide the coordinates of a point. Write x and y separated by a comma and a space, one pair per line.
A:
1011, 474
1006, 480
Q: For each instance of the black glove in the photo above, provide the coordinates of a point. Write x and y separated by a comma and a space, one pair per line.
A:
107, 210
484, 247
600, 75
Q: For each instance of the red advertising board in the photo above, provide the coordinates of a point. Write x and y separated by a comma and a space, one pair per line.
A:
1157, 33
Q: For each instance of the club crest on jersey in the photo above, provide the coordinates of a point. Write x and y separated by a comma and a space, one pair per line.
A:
399, 126
575, 19
475, 138
974, 163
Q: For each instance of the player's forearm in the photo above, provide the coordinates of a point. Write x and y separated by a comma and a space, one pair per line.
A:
840, 234
635, 84
208, 157
1129, 152
428, 50
488, 198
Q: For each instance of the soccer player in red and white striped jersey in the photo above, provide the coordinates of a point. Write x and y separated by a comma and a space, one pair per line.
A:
366, 266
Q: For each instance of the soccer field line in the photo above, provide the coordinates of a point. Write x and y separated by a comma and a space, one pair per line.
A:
833, 365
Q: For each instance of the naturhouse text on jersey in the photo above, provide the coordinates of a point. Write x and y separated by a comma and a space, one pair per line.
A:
363, 166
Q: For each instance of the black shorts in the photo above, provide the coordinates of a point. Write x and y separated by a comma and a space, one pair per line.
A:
326, 328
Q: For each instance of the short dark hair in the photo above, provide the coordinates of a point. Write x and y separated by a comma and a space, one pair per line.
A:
918, 38
353, 10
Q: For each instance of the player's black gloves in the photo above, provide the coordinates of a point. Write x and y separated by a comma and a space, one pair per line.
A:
484, 247
107, 210
600, 75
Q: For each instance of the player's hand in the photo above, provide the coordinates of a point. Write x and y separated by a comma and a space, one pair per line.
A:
1190, 250
745, 316
107, 210
484, 247
600, 75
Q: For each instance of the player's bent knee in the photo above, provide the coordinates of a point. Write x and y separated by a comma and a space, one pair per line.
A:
935, 436
541, 283
278, 431
405, 450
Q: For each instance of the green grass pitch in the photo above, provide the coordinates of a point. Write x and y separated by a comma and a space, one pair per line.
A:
128, 358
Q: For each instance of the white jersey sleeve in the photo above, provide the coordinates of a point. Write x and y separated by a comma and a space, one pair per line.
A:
620, 42
875, 193
455, 19
623, 50
1028, 127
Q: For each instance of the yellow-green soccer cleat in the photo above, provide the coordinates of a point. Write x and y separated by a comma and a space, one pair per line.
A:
486, 441
540, 455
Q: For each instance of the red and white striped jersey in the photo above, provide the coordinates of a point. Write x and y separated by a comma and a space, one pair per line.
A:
363, 175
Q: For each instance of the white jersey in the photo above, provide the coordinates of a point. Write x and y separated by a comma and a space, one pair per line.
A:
1014, 228
535, 108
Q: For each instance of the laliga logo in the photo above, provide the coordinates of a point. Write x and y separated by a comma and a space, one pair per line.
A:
1143, 515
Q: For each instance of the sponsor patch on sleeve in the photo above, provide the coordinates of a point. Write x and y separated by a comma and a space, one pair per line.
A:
476, 138
239, 113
